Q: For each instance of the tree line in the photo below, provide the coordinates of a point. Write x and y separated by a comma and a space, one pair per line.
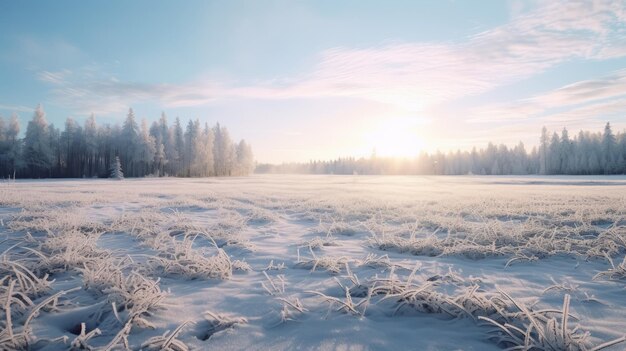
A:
143, 150
584, 154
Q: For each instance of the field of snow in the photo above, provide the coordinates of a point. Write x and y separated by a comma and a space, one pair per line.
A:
314, 263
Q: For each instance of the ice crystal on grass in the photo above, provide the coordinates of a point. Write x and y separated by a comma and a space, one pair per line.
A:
331, 264
167, 341
215, 323
615, 272
543, 331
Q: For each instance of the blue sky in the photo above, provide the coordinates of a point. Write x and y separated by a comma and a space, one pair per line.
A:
307, 80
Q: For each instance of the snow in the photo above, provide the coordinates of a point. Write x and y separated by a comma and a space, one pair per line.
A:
303, 238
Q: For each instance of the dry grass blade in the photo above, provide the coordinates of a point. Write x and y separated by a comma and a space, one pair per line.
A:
167, 341
217, 323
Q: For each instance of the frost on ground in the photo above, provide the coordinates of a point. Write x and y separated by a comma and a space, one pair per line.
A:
314, 262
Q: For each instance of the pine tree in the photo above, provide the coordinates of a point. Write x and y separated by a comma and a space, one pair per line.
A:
169, 147
2, 130
543, 151
55, 144
179, 147
147, 149
520, 162
160, 159
621, 161
4, 148
554, 155
91, 146
567, 150
116, 169
130, 145
71, 148
37, 155
190, 146
608, 149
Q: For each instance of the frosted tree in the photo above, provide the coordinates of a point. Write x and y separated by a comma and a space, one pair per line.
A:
245, 158
163, 128
203, 159
533, 161
2, 129
4, 146
90, 151
209, 142
543, 151
146, 149
107, 148
587, 153
116, 169
165, 155
520, 160
608, 149
554, 155
223, 151
621, 160
594, 164
179, 147
171, 155
6, 157
217, 153
55, 143
189, 153
567, 153
36, 154
130, 144
71, 148
160, 159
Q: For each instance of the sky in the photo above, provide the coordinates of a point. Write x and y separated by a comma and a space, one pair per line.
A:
303, 80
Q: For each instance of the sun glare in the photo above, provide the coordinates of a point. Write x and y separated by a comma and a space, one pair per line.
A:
396, 138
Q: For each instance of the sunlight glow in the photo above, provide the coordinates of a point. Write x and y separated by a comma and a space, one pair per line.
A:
399, 137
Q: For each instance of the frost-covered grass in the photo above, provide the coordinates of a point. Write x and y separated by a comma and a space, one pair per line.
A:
295, 262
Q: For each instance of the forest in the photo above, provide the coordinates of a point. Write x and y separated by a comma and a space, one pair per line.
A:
91, 150
587, 153
201, 151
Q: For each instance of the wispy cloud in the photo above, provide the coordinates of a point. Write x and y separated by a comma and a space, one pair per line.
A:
585, 91
411, 76
16, 108
589, 99
429, 73
38, 54
54, 77
603, 111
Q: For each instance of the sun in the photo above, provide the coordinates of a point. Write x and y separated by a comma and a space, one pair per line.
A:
396, 138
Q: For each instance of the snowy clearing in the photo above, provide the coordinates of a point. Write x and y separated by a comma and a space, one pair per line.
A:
314, 262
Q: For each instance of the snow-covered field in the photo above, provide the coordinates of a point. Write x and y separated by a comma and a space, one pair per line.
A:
314, 262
